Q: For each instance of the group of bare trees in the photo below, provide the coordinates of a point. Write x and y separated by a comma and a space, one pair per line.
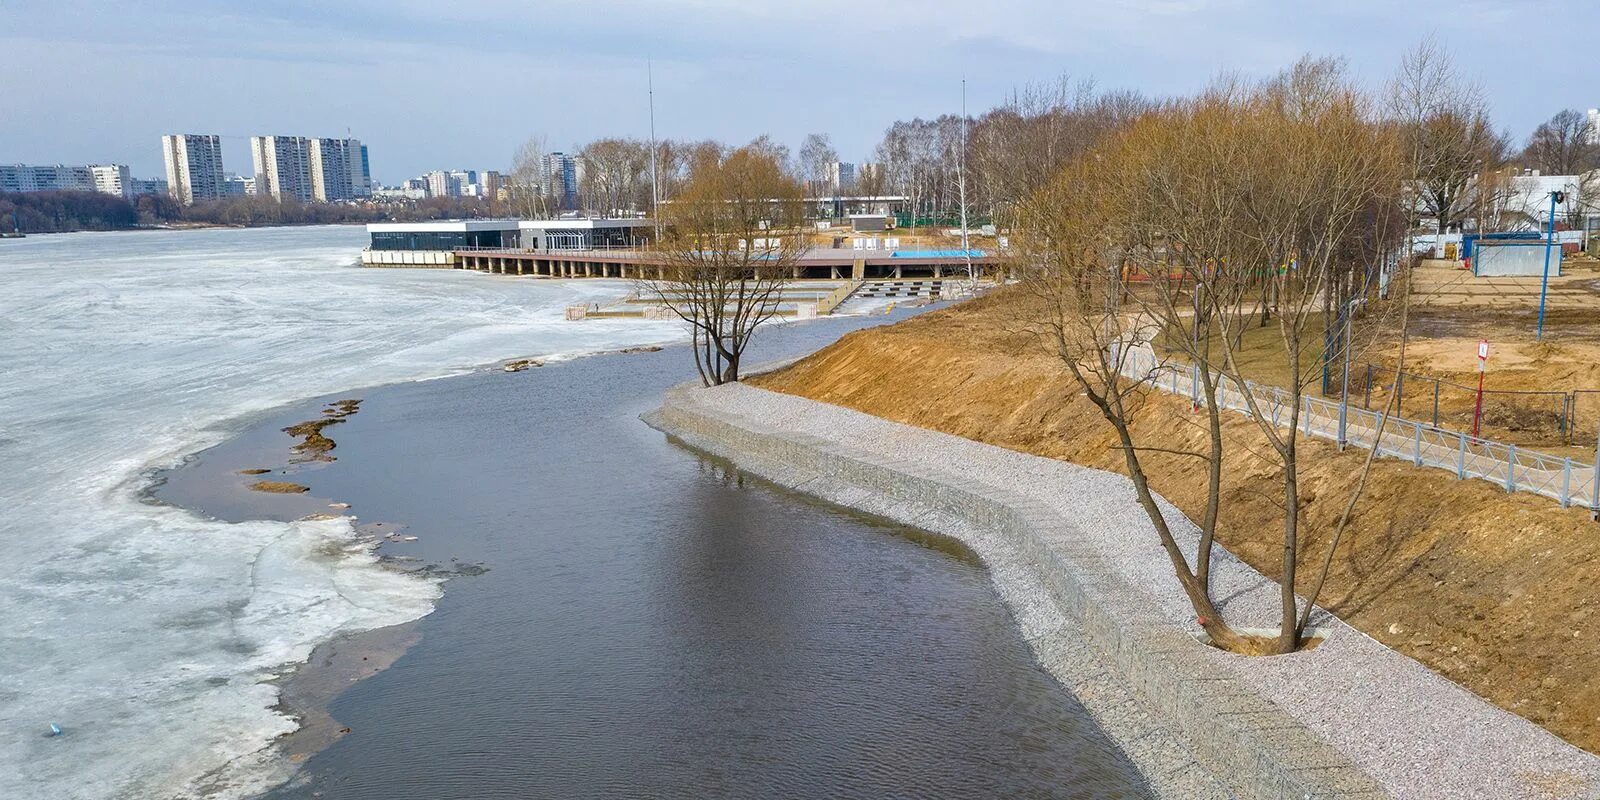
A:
1010, 150
610, 176
1274, 203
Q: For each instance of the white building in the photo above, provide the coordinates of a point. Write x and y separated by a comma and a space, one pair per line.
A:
1594, 125
194, 166
1527, 200
282, 166
48, 178
433, 244
112, 179
400, 193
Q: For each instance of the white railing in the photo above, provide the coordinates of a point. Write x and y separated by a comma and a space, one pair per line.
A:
1514, 468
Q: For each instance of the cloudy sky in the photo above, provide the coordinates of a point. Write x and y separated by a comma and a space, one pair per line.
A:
431, 84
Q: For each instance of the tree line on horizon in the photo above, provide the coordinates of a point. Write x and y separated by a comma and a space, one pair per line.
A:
1032, 132
66, 211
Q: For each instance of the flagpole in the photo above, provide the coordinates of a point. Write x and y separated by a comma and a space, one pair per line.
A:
655, 192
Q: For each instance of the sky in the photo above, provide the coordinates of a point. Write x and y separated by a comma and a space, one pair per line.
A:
459, 84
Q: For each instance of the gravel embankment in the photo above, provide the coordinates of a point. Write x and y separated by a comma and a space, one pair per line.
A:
1414, 733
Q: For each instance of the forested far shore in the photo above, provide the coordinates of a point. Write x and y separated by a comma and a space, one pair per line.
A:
62, 212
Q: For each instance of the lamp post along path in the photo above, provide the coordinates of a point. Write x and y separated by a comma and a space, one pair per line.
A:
1549, 241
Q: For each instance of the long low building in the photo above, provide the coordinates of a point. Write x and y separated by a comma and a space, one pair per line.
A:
435, 244
619, 248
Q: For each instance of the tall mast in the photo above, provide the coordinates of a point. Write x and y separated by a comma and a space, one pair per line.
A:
961, 185
655, 192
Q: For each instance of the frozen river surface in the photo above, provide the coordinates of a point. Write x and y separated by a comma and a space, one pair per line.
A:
145, 631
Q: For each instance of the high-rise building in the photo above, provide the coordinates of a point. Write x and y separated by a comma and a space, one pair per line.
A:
283, 166
361, 174
561, 175
194, 166
840, 176
339, 169
493, 183
442, 184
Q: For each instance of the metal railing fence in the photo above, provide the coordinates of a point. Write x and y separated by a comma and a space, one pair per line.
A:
1443, 402
1516, 469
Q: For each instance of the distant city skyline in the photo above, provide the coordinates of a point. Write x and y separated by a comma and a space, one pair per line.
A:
432, 86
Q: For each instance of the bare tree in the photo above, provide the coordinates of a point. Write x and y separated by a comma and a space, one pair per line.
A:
1317, 201
528, 184
1174, 232
817, 158
1448, 139
732, 237
616, 176
1566, 144
1073, 252
1017, 148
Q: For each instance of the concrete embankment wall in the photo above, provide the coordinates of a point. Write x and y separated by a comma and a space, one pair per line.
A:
1193, 730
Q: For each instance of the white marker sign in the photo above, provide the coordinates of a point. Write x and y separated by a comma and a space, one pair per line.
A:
1483, 354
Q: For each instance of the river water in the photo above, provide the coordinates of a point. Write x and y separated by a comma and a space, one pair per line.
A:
145, 631
647, 622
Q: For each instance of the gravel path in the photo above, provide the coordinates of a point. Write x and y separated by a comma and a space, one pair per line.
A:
1417, 734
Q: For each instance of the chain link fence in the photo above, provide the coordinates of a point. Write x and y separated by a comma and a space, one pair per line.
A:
1545, 416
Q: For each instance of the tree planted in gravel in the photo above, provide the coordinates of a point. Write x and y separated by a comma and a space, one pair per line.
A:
1077, 258
732, 236
1319, 215
1176, 233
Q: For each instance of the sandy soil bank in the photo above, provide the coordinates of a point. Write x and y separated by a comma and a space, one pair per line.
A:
1494, 591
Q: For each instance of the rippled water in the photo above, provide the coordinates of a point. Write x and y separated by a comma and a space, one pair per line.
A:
147, 632
652, 624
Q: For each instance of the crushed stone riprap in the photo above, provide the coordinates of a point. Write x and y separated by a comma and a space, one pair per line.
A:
1074, 556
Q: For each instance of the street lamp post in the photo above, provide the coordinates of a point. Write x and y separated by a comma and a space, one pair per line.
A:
1549, 240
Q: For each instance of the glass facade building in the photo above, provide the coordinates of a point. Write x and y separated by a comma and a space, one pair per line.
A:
442, 240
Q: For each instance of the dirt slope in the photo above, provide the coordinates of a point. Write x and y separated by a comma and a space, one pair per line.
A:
1495, 591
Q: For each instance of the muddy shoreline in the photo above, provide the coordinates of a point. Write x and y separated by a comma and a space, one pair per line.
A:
640, 619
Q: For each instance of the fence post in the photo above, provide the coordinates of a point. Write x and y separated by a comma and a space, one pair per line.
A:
1435, 402
1344, 417
1416, 452
1568, 411
1366, 400
1594, 484
1511, 468
1461, 458
1566, 482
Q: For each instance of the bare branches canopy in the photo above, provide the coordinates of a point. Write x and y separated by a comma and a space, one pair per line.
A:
732, 236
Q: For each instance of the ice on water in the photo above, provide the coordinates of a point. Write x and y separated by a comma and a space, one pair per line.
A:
146, 631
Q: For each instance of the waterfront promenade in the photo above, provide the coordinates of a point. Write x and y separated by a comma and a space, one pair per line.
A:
828, 264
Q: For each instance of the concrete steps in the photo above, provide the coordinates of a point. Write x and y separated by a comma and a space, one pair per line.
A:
878, 293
